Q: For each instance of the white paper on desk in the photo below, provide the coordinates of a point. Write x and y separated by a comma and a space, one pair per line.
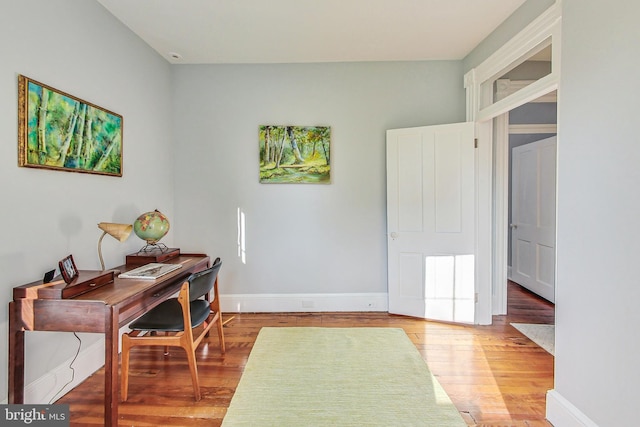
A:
150, 271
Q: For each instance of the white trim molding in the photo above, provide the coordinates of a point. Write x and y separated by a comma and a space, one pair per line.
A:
472, 94
53, 384
276, 303
500, 204
561, 412
66, 376
539, 34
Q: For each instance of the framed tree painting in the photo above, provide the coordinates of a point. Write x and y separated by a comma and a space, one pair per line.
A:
61, 132
295, 154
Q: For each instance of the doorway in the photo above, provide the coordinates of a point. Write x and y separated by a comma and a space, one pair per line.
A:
518, 131
530, 135
488, 102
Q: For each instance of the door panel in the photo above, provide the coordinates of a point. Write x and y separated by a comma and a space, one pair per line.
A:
409, 184
431, 222
533, 231
448, 182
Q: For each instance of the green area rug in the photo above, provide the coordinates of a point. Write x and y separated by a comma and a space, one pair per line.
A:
338, 377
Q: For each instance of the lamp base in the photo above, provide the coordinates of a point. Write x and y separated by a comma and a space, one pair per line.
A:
154, 255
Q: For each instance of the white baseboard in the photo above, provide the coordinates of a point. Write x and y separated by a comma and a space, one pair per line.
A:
562, 413
275, 303
52, 384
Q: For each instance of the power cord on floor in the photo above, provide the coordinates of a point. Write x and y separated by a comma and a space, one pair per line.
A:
73, 370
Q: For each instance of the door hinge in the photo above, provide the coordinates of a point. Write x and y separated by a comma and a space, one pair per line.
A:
475, 143
476, 298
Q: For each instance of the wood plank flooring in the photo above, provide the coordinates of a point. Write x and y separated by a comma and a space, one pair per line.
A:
494, 375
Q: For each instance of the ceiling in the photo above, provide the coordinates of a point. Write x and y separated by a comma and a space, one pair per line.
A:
295, 31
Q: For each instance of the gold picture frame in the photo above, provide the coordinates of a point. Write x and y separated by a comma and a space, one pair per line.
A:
59, 131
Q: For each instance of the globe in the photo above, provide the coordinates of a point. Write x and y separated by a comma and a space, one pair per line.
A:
151, 226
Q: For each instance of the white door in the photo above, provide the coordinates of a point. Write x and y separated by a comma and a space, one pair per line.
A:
533, 217
431, 222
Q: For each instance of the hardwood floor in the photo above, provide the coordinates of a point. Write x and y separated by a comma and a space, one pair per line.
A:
494, 375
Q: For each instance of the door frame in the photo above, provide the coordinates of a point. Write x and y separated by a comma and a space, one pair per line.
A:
502, 130
493, 166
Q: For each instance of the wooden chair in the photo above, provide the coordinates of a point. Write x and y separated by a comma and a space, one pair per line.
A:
169, 318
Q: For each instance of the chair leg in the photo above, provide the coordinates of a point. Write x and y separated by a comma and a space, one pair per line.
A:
221, 334
124, 382
193, 368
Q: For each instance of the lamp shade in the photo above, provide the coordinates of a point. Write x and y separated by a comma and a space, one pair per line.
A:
118, 231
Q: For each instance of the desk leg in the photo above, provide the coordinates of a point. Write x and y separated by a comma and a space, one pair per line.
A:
111, 367
16, 355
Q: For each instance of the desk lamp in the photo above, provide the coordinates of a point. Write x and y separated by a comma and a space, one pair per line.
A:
119, 232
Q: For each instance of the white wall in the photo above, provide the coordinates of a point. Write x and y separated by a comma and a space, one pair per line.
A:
305, 243
78, 47
597, 317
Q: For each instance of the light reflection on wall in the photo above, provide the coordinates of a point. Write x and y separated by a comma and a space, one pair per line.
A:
242, 248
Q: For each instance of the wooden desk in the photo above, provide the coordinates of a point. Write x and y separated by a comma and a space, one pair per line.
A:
104, 310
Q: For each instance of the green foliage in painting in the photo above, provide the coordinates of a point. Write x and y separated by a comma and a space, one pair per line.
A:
67, 133
291, 154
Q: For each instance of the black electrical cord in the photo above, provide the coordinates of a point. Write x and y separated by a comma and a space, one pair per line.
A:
73, 370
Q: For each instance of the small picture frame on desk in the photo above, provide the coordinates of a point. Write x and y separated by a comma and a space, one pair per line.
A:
68, 269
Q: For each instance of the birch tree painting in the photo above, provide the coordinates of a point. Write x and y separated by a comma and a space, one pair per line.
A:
60, 131
295, 154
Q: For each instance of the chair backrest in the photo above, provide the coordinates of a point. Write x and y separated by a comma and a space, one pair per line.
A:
201, 283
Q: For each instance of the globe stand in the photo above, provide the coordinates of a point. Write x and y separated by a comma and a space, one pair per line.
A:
154, 247
152, 255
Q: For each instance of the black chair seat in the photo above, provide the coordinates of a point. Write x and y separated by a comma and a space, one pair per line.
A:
167, 316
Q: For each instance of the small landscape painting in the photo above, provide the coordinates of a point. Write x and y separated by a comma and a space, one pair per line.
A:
59, 131
295, 154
